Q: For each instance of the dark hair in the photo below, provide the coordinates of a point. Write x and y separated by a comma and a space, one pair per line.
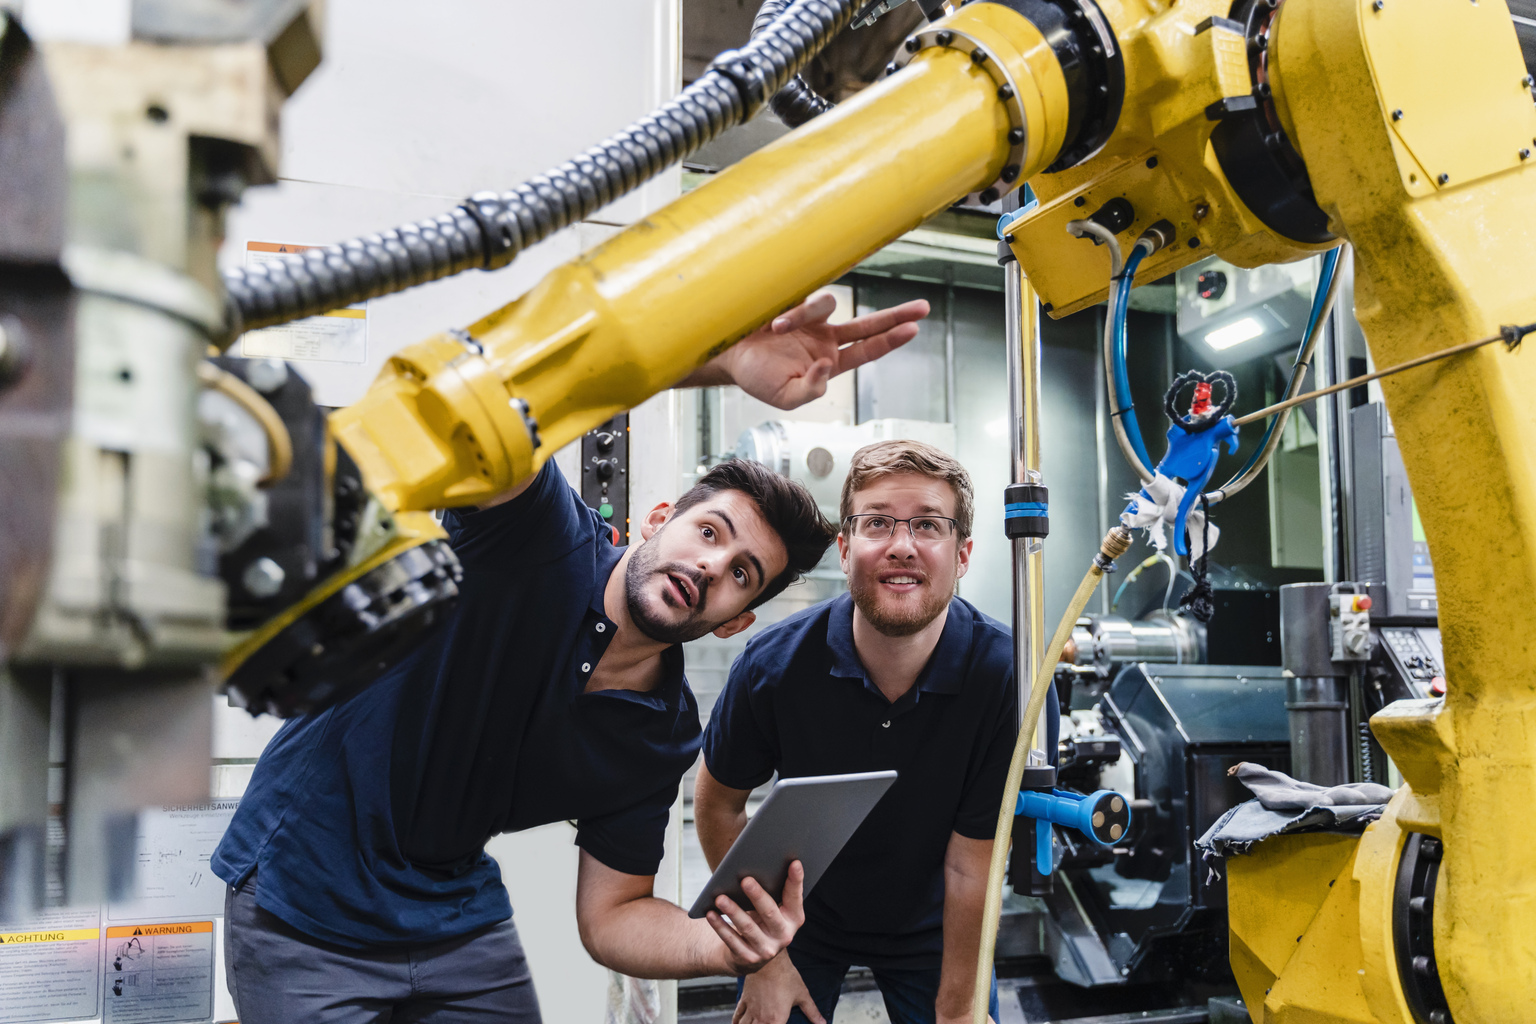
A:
786, 506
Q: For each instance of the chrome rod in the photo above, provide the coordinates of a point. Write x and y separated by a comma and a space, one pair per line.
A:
1022, 318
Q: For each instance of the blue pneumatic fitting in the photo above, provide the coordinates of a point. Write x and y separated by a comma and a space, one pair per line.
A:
1104, 817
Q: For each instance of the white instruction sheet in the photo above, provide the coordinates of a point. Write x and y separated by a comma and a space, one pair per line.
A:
339, 336
50, 969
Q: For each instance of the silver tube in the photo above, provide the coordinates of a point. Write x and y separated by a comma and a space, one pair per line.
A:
1021, 316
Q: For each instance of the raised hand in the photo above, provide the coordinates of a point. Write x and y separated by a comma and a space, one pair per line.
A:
789, 361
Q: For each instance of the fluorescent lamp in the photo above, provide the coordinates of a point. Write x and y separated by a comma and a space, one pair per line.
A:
1243, 330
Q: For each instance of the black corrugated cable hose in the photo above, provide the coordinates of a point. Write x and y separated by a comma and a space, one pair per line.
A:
490, 228
796, 103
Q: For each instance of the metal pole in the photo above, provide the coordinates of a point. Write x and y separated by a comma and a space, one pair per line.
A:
1022, 317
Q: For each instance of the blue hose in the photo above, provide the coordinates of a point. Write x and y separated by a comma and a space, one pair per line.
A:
1122, 377
1324, 282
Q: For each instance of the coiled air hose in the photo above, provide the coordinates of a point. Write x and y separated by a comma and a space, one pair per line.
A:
796, 103
1116, 542
489, 229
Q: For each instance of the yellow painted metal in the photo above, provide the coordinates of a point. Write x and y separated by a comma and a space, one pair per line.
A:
410, 530
642, 311
1159, 158
1434, 267
1311, 922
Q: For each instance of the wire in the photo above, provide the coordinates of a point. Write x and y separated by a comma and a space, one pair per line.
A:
1130, 578
279, 442
1323, 299
1173, 577
1122, 379
1116, 543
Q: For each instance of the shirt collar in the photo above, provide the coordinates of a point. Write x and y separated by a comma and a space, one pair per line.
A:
668, 694
945, 670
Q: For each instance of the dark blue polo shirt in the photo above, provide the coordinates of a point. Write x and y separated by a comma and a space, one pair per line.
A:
800, 703
367, 823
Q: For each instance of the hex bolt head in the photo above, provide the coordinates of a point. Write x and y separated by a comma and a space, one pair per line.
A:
263, 578
1443, 178
1005, 92
1525, 154
913, 44
1397, 115
266, 375
892, 68
944, 38
1377, 5
15, 351
1016, 136
1011, 173
1528, 81
979, 55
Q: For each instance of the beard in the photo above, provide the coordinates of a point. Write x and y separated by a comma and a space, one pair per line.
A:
898, 618
639, 577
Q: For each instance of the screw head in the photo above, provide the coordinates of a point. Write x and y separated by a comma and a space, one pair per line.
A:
1016, 136
263, 578
892, 68
1525, 154
1080, 201
944, 38
1202, 211
1443, 178
1528, 81
913, 44
1011, 173
1377, 5
1005, 92
1194, 243
1397, 115
14, 351
979, 56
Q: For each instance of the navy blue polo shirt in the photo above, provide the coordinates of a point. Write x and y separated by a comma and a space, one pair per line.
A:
799, 702
367, 823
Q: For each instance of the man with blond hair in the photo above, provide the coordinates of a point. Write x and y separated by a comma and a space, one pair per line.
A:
897, 673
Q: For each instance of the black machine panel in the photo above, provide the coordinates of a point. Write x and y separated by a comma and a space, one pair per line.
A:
605, 473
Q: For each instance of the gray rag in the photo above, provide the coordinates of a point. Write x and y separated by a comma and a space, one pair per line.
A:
1286, 805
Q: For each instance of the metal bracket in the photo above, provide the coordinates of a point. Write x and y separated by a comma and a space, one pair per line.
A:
1007, 91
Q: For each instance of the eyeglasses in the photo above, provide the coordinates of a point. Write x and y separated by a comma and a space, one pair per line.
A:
924, 529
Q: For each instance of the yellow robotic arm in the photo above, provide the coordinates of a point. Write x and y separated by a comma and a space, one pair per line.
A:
1263, 132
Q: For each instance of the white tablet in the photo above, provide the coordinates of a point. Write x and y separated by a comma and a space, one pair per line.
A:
806, 819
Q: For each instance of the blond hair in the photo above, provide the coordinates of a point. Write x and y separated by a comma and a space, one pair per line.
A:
888, 458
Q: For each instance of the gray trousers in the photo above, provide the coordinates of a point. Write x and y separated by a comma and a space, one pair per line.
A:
279, 975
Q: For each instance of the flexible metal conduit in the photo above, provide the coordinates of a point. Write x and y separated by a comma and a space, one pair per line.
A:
489, 229
797, 102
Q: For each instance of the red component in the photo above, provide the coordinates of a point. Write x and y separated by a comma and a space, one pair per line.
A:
1437, 686
1362, 604
1200, 405
617, 541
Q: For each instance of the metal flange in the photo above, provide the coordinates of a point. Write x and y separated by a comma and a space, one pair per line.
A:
1007, 92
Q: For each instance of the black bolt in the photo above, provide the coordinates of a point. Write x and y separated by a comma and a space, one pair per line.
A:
1443, 178
1423, 965
1096, 50
913, 45
1378, 5
988, 196
1079, 201
1419, 905
944, 38
1525, 154
1046, 308
1430, 848
892, 68
1016, 136
1194, 243
1011, 173
1528, 81
1439, 1017
1397, 115
1005, 92
156, 113
1151, 162
1262, 90
979, 56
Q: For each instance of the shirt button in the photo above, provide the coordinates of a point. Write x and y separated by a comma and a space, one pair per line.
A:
586, 666
601, 627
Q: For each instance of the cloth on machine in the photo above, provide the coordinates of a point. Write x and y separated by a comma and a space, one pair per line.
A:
1283, 805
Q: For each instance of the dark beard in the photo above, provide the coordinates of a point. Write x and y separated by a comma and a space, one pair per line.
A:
904, 623
641, 570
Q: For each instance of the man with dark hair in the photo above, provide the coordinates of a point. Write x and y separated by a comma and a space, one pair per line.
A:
360, 889
898, 673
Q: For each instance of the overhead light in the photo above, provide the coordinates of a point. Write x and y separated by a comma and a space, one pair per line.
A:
1243, 330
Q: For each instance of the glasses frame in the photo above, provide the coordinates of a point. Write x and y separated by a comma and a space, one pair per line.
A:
853, 531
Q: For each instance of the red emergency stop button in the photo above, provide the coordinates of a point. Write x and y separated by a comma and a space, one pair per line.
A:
1437, 686
1363, 604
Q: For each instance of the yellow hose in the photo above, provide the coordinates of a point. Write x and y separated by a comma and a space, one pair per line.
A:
1116, 542
279, 443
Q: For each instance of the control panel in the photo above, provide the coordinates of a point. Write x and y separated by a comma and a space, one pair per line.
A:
605, 474
1414, 652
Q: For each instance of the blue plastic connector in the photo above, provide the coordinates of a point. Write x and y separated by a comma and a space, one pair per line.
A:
1103, 817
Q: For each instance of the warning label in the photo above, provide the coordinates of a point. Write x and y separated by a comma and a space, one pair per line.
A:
50, 970
340, 336
158, 973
